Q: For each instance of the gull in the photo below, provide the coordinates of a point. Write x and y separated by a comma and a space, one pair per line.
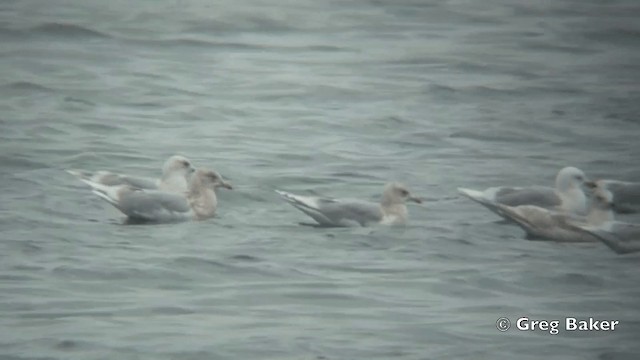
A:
543, 224
626, 195
567, 196
175, 174
199, 202
332, 212
621, 237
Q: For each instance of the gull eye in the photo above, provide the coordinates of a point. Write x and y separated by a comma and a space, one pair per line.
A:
213, 176
404, 192
186, 163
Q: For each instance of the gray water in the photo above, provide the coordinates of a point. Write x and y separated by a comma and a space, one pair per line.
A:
312, 97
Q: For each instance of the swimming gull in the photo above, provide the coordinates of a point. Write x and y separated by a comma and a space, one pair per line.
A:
175, 174
332, 212
626, 195
544, 224
621, 237
568, 195
198, 203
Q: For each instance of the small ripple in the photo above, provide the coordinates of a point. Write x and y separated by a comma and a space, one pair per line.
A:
240, 23
440, 89
246, 258
20, 162
12, 357
616, 36
67, 345
392, 122
27, 86
66, 31
325, 48
11, 33
94, 273
25, 246
58, 315
567, 49
198, 44
200, 263
74, 100
353, 175
581, 279
490, 135
617, 355
171, 310
100, 127
10, 277
194, 43
27, 268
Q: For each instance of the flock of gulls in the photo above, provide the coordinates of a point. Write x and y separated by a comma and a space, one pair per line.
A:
575, 210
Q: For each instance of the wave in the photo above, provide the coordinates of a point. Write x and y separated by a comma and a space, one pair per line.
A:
240, 24
194, 43
61, 30
619, 36
66, 30
491, 135
200, 43
26, 86
10, 33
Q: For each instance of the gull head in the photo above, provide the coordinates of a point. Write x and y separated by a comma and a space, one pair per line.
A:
212, 179
602, 199
570, 178
177, 165
396, 193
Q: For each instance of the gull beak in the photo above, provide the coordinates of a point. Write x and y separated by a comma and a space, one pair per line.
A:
227, 185
591, 185
415, 199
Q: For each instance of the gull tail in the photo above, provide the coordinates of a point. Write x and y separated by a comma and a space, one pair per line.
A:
83, 175
299, 201
478, 196
308, 205
474, 195
108, 193
610, 239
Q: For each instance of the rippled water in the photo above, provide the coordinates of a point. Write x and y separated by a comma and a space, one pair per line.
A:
326, 97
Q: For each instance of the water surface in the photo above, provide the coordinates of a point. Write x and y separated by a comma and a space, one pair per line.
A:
312, 97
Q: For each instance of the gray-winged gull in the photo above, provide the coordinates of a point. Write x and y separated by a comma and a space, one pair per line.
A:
332, 212
544, 224
567, 196
175, 174
198, 203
